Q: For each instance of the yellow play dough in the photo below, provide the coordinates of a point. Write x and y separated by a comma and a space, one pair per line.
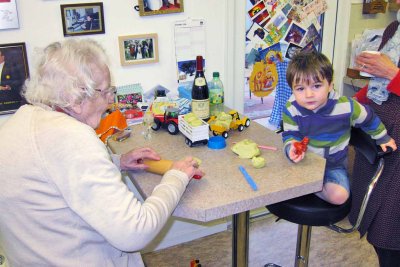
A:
246, 149
192, 119
258, 162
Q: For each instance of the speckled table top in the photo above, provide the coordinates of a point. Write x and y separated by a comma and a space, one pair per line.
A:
223, 191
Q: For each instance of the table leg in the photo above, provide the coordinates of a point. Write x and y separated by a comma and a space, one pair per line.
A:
240, 239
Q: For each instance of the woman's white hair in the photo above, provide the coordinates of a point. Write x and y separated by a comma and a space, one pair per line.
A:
63, 76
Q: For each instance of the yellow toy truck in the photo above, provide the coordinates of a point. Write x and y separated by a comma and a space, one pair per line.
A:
221, 124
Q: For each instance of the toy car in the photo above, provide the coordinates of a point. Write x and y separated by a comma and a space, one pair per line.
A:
168, 120
194, 135
221, 124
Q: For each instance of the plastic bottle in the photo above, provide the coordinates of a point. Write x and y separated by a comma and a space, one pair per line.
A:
200, 97
216, 95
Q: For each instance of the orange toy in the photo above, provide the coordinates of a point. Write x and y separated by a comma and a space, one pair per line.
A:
161, 166
111, 124
301, 147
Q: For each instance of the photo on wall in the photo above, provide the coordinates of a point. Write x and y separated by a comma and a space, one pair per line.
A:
13, 75
138, 49
157, 7
82, 19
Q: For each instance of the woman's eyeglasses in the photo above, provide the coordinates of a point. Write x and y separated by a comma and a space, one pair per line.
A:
112, 90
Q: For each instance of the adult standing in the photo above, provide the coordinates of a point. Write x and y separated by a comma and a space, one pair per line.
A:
382, 216
62, 201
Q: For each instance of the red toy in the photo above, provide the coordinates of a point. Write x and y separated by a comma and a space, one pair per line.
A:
195, 263
301, 147
169, 121
133, 113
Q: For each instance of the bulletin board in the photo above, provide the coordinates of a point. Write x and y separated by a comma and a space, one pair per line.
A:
275, 31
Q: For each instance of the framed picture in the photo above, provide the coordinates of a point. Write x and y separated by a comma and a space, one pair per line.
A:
138, 49
81, 19
151, 7
13, 75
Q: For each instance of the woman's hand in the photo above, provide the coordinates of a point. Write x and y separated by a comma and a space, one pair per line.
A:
377, 64
133, 160
391, 144
189, 166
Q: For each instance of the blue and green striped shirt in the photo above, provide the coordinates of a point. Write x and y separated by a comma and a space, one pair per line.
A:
328, 128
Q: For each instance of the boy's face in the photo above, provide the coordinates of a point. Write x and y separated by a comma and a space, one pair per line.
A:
312, 95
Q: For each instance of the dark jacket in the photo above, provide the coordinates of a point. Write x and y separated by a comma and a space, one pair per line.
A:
382, 217
11, 99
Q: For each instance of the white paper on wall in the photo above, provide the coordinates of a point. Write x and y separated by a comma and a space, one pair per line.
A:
190, 41
8, 15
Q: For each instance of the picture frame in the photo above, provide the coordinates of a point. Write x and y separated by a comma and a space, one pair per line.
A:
149, 8
138, 49
14, 73
82, 19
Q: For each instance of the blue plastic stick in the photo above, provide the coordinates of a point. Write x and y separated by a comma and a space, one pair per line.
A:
248, 178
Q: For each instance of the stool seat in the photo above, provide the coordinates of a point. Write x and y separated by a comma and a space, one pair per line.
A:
310, 210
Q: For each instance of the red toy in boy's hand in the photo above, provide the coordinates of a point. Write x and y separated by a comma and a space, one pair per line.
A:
301, 147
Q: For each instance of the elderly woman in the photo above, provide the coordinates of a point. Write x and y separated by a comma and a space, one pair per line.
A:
62, 200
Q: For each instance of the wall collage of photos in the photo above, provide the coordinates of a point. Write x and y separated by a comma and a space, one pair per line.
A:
275, 31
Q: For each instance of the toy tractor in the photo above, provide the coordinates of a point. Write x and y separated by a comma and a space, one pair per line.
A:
221, 124
169, 121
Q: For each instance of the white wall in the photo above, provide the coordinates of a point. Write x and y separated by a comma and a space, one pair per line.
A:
40, 24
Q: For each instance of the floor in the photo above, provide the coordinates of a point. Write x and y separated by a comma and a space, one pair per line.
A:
270, 241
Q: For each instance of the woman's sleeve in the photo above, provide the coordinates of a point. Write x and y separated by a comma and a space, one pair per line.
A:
361, 95
92, 187
394, 85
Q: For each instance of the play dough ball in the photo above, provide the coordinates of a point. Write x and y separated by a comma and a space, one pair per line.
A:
258, 162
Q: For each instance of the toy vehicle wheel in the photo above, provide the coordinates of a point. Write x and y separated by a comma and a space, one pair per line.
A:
205, 142
172, 128
240, 128
189, 142
225, 135
247, 123
156, 125
214, 133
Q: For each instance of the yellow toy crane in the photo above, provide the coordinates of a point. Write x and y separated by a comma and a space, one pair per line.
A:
221, 124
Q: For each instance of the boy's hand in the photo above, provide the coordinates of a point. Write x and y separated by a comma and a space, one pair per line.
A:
391, 144
295, 155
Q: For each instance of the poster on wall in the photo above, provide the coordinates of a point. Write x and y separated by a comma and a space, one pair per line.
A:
275, 31
13, 73
8, 15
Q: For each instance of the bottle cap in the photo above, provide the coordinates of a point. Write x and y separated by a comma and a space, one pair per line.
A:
215, 74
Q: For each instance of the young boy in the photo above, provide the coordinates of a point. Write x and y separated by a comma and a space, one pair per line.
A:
315, 111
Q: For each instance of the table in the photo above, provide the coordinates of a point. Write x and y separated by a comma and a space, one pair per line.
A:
223, 191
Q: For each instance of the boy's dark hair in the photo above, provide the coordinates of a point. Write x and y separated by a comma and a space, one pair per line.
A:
309, 66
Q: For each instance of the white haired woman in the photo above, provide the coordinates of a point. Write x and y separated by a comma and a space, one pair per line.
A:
62, 200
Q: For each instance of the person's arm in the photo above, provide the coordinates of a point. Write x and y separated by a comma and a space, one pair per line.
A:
365, 118
92, 188
290, 134
379, 65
